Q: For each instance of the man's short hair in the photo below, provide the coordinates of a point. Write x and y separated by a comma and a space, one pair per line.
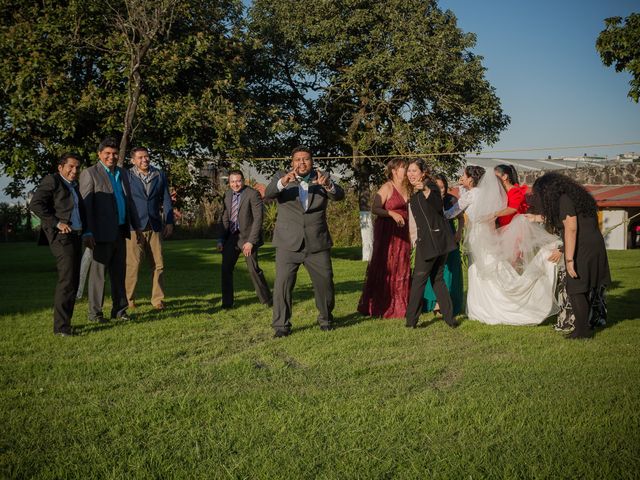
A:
138, 149
236, 172
108, 142
66, 156
301, 148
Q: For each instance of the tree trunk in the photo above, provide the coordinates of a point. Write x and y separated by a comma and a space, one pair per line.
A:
362, 174
132, 107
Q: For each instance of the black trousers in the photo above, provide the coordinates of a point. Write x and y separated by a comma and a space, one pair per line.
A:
111, 258
67, 250
424, 269
230, 254
321, 272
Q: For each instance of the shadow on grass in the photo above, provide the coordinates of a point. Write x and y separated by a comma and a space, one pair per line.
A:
622, 307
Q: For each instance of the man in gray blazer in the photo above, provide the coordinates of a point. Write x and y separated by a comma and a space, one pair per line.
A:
301, 236
110, 214
242, 232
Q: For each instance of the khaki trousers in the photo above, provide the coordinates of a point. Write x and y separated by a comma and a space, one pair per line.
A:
152, 249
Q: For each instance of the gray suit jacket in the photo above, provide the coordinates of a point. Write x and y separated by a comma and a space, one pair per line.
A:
250, 214
100, 203
295, 225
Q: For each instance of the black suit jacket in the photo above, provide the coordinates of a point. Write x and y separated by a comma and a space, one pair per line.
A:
250, 214
52, 202
433, 230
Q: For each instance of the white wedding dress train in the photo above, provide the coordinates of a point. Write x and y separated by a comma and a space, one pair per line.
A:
510, 280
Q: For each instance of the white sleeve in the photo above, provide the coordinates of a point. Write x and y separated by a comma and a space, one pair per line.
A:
280, 186
460, 206
413, 229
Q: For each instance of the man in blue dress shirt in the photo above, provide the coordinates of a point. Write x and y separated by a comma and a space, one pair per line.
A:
110, 217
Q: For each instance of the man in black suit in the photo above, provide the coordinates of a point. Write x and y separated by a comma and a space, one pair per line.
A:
301, 236
242, 232
58, 204
111, 215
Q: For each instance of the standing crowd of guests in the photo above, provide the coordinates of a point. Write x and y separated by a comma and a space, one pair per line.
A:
530, 254
513, 240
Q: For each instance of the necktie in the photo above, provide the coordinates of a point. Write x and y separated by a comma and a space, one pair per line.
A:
235, 206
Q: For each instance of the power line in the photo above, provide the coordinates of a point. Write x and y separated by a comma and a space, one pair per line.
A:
438, 154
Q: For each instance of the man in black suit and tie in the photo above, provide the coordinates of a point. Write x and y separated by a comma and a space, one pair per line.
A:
111, 215
301, 236
242, 232
58, 204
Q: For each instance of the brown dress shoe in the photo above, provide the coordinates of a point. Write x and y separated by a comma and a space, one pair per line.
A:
159, 306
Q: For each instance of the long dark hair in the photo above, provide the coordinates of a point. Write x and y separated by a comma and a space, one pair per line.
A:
475, 172
443, 179
509, 171
547, 191
393, 164
424, 168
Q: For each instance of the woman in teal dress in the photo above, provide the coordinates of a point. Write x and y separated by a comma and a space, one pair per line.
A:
453, 267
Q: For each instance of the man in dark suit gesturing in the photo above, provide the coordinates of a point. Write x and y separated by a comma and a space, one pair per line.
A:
301, 236
242, 232
110, 215
58, 204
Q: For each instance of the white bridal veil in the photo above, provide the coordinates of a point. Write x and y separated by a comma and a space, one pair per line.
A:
510, 279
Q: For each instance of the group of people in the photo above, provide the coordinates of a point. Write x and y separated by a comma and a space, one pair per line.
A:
530, 254
119, 215
513, 241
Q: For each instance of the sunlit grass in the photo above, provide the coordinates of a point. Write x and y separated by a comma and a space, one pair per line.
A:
198, 392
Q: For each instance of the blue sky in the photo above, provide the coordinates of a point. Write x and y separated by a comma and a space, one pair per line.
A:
541, 58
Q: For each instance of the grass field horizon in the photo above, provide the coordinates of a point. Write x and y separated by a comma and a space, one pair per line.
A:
199, 392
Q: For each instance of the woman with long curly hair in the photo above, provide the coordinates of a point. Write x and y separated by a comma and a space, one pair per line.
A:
567, 208
386, 287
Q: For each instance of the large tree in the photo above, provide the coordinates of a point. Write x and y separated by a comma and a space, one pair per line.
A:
619, 44
366, 78
164, 73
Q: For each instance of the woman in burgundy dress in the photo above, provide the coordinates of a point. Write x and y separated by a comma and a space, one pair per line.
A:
386, 287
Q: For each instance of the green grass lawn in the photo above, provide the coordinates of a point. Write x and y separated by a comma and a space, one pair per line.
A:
197, 392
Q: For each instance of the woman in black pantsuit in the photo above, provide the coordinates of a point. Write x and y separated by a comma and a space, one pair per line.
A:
568, 208
433, 242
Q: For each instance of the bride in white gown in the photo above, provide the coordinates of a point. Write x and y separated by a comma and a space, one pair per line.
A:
510, 279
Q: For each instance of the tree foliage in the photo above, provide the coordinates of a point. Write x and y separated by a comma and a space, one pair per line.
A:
366, 78
190, 80
619, 44
69, 71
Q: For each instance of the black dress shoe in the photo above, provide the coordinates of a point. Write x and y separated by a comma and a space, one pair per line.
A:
409, 325
125, 317
227, 307
281, 333
453, 324
326, 328
98, 319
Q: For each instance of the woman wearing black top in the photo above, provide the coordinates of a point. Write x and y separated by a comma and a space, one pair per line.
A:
433, 240
566, 207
